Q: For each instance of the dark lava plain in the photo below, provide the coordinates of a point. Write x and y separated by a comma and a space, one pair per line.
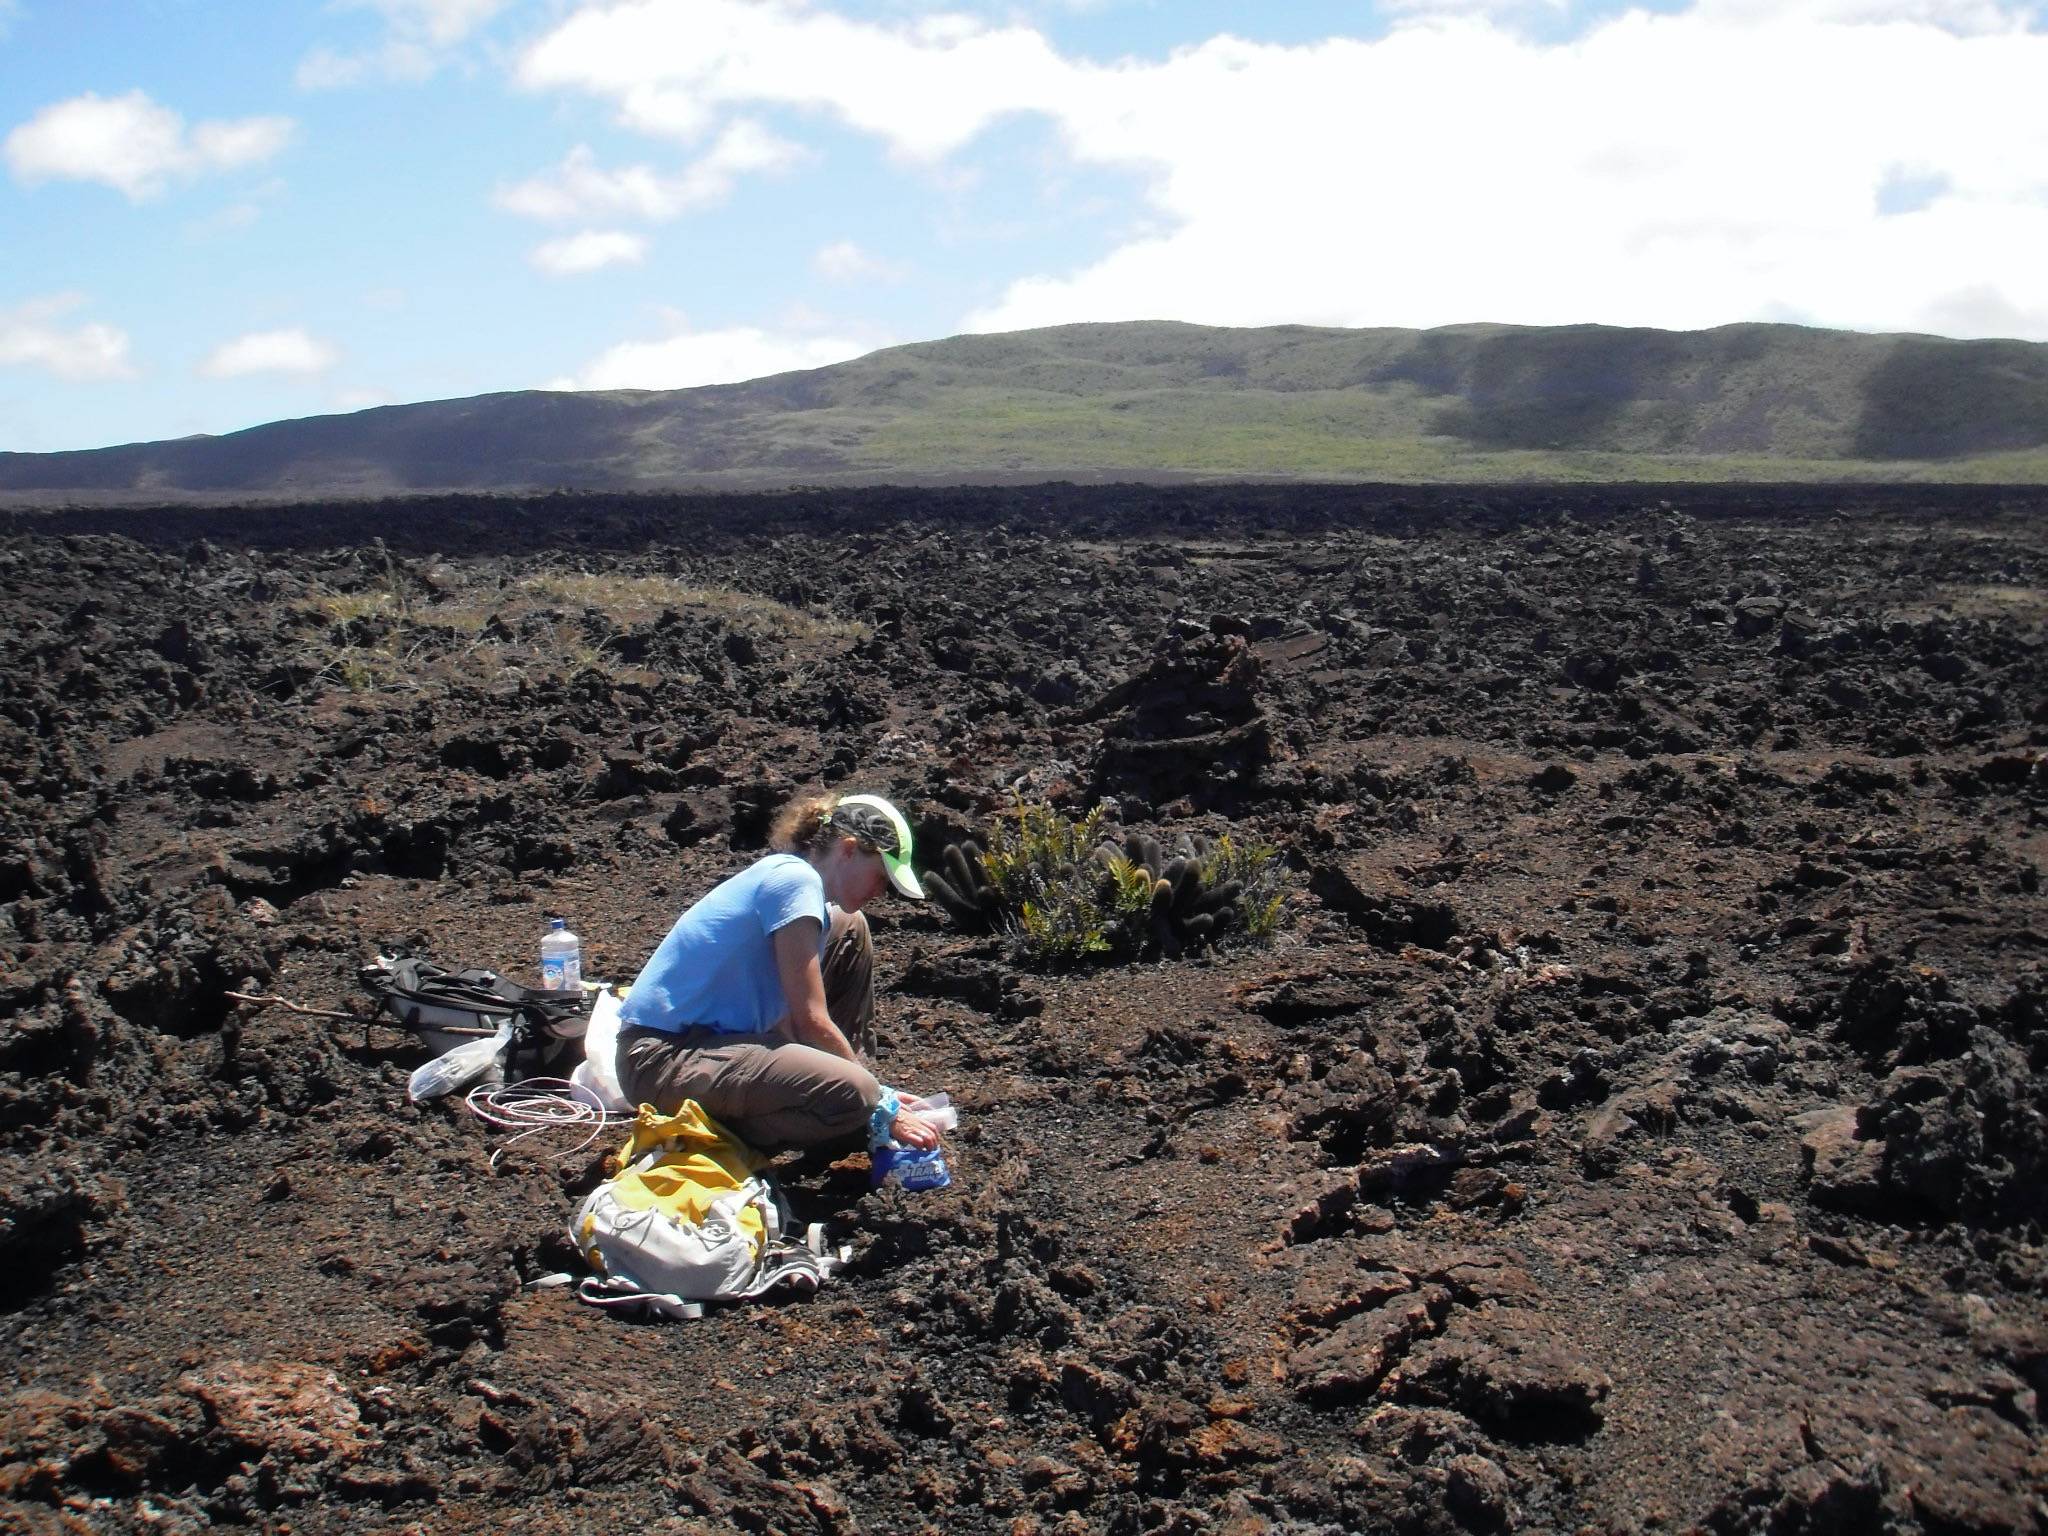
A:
1637, 1124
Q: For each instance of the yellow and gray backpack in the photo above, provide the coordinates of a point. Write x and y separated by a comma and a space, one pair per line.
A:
690, 1217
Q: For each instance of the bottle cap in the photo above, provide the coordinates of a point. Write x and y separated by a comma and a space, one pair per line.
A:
558, 922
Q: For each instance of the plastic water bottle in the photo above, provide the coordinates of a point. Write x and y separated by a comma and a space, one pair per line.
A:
561, 958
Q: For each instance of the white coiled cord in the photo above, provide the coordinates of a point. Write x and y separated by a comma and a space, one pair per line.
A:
539, 1106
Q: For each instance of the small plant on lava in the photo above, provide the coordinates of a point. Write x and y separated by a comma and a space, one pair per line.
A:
1069, 896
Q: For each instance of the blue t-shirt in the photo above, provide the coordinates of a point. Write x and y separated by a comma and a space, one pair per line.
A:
716, 968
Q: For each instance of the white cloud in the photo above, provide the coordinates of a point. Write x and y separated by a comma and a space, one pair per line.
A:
133, 144
440, 22
800, 318
590, 251
926, 86
1501, 8
580, 188
288, 351
1981, 312
1608, 177
242, 214
843, 261
419, 37
1963, 17
31, 336
690, 358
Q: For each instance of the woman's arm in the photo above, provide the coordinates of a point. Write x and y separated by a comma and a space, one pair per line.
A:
803, 987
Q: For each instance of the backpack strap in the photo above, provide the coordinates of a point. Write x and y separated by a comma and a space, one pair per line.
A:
624, 1296
785, 1264
761, 1193
829, 1260
808, 1264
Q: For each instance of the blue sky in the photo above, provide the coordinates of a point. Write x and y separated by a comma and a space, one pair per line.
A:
215, 213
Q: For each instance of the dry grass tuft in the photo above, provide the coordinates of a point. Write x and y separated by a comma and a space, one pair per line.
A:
477, 628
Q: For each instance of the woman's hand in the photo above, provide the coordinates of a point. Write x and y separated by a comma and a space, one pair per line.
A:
913, 1130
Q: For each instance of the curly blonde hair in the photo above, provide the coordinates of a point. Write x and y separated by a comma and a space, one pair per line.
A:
809, 824
804, 825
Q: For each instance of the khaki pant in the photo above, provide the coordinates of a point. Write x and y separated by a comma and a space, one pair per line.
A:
768, 1090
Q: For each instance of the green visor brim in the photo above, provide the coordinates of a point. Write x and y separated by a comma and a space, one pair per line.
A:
903, 877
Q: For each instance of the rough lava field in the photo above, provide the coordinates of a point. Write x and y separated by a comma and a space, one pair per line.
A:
1636, 1125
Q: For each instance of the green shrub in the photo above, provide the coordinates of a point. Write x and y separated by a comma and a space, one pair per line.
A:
1257, 869
1039, 854
1069, 897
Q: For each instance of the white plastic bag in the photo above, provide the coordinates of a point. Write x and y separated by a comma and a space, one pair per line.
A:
937, 1111
597, 1074
462, 1066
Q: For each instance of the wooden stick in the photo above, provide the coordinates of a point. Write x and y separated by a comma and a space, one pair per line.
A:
263, 1000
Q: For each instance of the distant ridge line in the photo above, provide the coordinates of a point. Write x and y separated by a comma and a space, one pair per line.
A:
1171, 402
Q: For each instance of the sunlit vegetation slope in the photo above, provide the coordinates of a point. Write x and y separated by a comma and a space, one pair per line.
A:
1158, 400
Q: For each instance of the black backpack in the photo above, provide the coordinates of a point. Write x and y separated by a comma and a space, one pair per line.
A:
445, 1008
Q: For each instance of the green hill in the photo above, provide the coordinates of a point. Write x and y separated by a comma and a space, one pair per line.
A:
1152, 400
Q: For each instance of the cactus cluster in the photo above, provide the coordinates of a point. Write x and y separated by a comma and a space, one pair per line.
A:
964, 888
1068, 895
1186, 904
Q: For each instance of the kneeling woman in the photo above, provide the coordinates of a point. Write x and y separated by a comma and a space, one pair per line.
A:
748, 1005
